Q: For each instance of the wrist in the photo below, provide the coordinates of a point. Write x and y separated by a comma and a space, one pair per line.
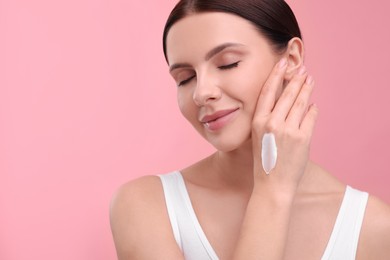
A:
273, 189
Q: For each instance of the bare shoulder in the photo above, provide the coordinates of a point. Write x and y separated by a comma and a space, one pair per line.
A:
374, 240
140, 223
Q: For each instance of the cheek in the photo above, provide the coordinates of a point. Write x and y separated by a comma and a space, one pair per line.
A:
186, 104
253, 81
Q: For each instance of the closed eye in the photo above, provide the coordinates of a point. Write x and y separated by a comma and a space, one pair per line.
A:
181, 83
230, 66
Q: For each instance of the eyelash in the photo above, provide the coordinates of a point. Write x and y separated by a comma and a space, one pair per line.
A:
230, 66
226, 67
185, 81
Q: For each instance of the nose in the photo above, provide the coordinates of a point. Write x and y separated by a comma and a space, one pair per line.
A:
206, 91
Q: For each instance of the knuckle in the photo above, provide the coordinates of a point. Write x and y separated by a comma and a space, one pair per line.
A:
271, 127
300, 103
295, 136
315, 110
303, 139
290, 134
289, 94
308, 88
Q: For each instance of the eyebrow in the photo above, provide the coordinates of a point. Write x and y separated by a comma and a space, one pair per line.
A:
214, 51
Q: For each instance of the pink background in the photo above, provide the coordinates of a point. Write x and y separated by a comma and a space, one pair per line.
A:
86, 104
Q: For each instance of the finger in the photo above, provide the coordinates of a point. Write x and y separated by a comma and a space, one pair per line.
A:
289, 95
297, 112
309, 121
267, 96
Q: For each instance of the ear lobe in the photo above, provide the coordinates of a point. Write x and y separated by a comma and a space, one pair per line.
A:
295, 55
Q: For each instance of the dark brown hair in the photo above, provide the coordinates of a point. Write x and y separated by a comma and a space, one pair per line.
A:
273, 18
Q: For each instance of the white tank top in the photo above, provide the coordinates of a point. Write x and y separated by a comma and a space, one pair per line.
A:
193, 242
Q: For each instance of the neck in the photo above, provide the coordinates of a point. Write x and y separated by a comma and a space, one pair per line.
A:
234, 168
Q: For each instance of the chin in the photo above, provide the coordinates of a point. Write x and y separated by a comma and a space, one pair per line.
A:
229, 138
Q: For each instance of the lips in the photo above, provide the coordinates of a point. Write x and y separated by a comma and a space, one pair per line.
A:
216, 115
218, 119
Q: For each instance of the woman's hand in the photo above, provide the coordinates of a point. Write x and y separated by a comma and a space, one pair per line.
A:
291, 120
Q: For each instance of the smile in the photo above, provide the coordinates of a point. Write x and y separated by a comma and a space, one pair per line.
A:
219, 119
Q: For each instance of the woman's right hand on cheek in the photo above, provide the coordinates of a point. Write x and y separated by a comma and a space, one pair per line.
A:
291, 120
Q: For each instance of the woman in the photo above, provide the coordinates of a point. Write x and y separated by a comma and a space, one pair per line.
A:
240, 75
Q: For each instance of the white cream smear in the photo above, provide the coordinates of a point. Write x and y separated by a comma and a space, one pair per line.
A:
269, 152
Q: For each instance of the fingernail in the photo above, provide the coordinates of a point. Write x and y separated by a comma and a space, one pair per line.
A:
302, 70
282, 63
309, 80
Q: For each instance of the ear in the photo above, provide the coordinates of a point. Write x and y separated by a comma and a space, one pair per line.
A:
295, 55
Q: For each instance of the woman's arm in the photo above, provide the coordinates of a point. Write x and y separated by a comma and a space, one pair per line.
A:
140, 223
139, 220
265, 227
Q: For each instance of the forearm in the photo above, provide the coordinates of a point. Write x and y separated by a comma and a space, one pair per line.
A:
265, 227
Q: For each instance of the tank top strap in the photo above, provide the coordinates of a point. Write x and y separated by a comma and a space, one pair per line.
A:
344, 239
186, 228
172, 201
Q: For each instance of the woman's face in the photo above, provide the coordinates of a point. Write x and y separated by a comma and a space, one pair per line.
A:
220, 62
